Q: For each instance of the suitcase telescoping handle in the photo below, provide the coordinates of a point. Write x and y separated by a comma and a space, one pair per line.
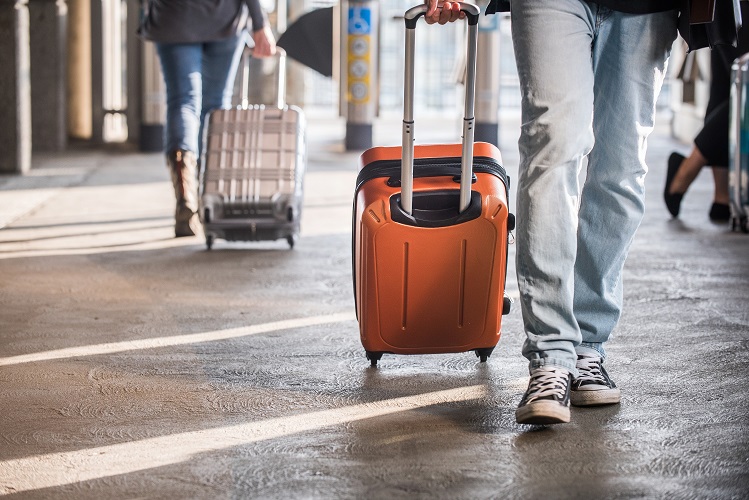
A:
407, 148
281, 98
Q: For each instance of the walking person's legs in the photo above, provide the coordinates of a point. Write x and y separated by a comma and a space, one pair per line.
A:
558, 82
710, 148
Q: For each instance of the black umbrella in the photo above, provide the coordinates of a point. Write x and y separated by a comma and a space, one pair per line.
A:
309, 40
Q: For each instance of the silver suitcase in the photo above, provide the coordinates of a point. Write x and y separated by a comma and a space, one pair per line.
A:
252, 169
738, 164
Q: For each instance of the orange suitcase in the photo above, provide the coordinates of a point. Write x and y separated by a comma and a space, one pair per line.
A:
430, 255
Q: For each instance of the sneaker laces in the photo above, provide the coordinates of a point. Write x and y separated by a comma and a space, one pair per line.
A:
546, 382
589, 369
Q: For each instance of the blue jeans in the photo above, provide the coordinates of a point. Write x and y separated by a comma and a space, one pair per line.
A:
199, 77
590, 78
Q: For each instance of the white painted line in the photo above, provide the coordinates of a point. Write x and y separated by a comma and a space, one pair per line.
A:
193, 338
58, 469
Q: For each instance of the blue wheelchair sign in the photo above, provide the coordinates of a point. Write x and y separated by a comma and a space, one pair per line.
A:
359, 21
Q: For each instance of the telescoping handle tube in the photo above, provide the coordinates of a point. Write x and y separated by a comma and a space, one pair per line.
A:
281, 97
407, 159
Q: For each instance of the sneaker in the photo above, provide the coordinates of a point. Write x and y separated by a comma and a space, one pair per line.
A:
547, 400
593, 386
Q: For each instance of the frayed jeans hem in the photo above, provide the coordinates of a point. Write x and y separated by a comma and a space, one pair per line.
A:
594, 349
554, 362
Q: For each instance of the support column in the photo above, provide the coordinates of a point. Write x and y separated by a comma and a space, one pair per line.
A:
48, 30
79, 69
97, 71
487, 80
153, 110
359, 20
15, 87
134, 64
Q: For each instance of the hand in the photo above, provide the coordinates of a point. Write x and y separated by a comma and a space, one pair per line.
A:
442, 12
265, 42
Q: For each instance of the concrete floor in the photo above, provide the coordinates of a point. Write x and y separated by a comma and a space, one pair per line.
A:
135, 365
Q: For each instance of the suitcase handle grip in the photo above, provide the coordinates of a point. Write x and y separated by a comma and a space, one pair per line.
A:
414, 13
281, 97
407, 147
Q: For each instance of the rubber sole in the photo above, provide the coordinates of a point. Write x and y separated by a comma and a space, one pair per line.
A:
542, 413
595, 398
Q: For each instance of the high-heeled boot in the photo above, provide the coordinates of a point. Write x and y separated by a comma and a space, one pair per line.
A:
183, 168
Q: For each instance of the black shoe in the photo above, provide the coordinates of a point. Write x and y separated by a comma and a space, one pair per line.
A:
720, 212
593, 386
673, 201
547, 400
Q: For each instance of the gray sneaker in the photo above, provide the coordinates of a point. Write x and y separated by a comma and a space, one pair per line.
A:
593, 386
547, 400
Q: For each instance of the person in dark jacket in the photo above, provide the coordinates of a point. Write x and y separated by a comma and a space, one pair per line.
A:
710, 146
199, 43
590, 73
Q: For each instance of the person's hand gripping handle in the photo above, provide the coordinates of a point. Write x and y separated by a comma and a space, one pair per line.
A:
442, 12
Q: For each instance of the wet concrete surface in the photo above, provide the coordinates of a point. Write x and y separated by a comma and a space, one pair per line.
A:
135, 365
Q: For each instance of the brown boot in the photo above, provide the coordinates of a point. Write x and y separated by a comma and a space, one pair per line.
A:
183, 167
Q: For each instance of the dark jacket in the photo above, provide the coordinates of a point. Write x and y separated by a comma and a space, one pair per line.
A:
630, 6
193, 21
721, 31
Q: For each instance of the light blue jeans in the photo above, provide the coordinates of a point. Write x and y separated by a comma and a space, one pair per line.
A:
199, 77
590, 78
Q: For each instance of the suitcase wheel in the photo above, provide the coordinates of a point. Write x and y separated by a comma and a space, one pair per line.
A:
506, 305
374, 357
484, 353
292, 240
209, 241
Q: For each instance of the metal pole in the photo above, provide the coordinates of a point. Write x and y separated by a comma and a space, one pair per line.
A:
359, 73
15, 94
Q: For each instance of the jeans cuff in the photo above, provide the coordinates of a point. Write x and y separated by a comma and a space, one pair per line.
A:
593, 348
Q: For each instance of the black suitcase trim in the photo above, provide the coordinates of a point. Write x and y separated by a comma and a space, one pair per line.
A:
430, 167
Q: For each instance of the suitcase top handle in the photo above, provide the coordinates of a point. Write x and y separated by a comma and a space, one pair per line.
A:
414, 13
280, 83
407, 148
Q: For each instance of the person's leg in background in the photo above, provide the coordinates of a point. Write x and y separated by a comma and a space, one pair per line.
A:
220, 63
710, 146
181, 66
612, 203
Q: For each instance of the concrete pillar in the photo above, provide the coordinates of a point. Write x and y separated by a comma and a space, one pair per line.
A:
153, 110
134, 65
48, 30
79, 69
15, 87
97, 71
